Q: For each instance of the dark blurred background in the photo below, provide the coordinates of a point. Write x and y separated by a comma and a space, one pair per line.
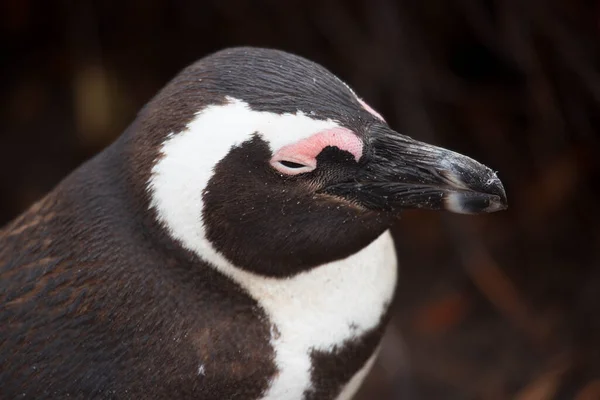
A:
504, 306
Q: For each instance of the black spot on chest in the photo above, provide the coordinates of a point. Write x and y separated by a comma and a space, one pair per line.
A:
332, 370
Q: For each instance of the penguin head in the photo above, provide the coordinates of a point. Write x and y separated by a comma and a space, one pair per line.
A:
267, 161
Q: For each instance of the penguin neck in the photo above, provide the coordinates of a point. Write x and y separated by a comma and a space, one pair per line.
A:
282, 240
375, 262
321, 310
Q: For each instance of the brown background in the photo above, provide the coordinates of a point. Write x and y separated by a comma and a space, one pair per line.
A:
505, 306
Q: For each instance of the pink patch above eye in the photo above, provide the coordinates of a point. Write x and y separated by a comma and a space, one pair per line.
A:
369, 109
305, 151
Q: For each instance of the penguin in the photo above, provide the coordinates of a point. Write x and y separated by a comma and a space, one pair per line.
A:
232, 243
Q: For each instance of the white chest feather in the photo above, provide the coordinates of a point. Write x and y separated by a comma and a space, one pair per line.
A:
320, 309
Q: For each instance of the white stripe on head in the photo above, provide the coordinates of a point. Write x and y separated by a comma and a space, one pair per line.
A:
188, 158
313, 310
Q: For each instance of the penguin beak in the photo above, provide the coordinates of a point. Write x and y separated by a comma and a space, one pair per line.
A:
403, 173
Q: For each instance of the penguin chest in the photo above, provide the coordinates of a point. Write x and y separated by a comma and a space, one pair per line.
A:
326, 323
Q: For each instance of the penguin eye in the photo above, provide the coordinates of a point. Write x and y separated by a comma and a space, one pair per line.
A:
296, 167
290, 164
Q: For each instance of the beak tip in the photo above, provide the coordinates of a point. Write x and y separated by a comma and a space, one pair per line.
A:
497, 205
487, 197
494, 186
404, 173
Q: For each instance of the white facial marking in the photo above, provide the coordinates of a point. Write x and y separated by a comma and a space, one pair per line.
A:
188, 158
313, 310
201, 371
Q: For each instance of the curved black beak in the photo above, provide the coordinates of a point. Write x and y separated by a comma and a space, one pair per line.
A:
400, 173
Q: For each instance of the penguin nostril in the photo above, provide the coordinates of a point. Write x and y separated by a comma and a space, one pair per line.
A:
291, 164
